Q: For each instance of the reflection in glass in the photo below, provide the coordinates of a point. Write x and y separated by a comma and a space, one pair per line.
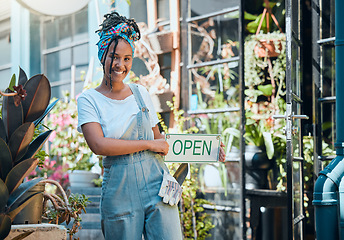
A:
328, 71
328, 116
216, 86
214, 38
298, 198
327, 19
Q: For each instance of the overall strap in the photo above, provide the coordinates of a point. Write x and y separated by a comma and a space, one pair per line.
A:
143, 109
138, 97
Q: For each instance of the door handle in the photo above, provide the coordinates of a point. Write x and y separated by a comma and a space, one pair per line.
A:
292, 116
299, 117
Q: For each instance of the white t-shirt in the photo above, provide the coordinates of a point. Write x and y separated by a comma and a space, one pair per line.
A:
114, 116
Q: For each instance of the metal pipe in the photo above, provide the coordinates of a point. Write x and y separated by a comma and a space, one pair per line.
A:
329, 187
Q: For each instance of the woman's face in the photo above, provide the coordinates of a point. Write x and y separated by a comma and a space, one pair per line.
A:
121, 63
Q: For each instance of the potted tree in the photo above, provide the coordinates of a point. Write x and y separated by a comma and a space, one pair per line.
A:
24, 107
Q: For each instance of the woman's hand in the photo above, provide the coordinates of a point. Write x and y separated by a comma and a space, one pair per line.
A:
222, 155
159, 146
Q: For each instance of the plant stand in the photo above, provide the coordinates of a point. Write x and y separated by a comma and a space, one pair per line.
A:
39, 231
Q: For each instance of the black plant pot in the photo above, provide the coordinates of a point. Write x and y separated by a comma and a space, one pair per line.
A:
257, 166
32, 213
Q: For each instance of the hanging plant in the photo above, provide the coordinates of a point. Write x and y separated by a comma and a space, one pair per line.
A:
256, 66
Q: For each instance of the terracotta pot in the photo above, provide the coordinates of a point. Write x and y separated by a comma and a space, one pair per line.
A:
266, 48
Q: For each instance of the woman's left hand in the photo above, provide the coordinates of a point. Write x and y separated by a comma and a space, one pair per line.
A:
222, 155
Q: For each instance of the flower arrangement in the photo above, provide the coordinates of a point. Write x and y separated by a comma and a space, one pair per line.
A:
67, 146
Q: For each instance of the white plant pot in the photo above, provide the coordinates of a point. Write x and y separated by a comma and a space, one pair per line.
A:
82, 178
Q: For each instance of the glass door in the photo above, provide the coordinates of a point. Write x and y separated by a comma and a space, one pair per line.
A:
293, 116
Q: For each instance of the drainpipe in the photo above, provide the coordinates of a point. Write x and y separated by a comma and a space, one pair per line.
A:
329, 187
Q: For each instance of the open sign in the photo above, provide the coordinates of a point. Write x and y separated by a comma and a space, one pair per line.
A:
193, 147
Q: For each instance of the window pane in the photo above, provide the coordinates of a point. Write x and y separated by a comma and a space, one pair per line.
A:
80, 54
81, 25
138, 10
163, 10
51, 33
215, 86
65, 58
328, 70
5, 49
214, 38
201, 7
52, 67
5, 76
65, 30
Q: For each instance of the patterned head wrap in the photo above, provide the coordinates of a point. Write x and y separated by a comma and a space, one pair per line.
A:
122, 30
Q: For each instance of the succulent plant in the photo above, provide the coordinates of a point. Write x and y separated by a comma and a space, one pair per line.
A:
24, 106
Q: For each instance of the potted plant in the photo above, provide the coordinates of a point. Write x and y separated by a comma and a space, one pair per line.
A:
24, 107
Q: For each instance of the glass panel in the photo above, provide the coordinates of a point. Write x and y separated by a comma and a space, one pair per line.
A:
5, 49
62, 32
201, 7
58, 91
5, 76
163, 8
295, 69
65, 30
81, 25
215, 86
165, 66
65, 74
80, 72
296, 18
52, 66
65, 58
298, 209
51, 34
138, 10
80, 54
327, 18
328, 70
214, 38
328, 120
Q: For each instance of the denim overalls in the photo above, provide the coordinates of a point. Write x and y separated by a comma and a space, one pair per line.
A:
130, 205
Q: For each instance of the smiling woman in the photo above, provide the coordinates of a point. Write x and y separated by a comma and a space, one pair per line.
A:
119, 122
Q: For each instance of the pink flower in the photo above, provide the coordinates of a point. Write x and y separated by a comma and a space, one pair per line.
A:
52, 136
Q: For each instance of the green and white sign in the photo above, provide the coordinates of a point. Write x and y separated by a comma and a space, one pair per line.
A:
193, 147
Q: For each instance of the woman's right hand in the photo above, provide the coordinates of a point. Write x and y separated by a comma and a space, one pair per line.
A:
159, 146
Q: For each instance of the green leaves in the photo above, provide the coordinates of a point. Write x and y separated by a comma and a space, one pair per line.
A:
4, 195
37, 99
20, 191
11, 115
37, 144
22, 77
49, 108
3, 134
19, 172
5, 159
5, 226
12, 82
20, 140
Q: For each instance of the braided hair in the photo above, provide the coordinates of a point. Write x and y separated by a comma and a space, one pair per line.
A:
111, 20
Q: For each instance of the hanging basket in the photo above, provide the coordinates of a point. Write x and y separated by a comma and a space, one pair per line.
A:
267, 48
